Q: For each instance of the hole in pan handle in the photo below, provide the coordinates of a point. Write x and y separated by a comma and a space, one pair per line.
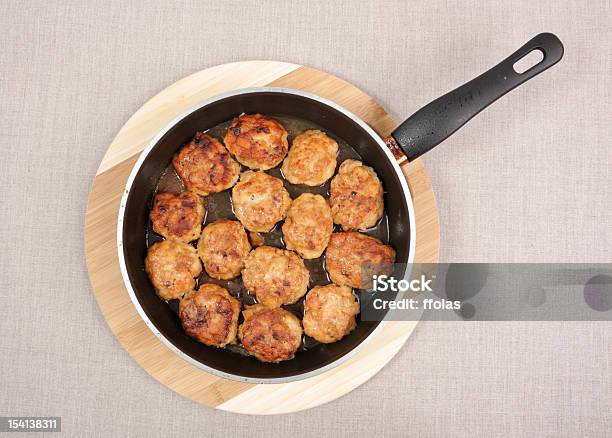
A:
437, 120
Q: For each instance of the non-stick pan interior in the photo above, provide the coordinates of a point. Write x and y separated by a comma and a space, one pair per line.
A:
143, 188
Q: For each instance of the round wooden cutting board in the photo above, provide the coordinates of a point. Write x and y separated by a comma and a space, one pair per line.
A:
103, 264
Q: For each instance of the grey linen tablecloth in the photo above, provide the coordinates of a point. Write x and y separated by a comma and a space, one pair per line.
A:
527, 181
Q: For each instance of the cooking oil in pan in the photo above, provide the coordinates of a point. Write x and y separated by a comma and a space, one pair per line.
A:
219, 206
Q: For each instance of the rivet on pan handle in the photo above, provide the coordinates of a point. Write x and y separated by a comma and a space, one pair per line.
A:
439, 119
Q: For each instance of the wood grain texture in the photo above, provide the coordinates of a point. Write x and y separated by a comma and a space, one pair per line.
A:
103, 264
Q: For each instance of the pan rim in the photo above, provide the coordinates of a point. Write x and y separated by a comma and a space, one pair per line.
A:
128, 188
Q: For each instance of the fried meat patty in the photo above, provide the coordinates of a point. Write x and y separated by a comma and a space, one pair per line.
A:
210, 315
172, 267
311, 159
356, 196
275, 276
329, 313
205, 166
223, 247
353, 258
271, 335
308, 225
257, 141
177, 216
260, 201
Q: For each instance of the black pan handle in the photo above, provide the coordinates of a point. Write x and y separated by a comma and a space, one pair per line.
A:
436, 121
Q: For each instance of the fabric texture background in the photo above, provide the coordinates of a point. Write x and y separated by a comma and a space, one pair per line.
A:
529, 180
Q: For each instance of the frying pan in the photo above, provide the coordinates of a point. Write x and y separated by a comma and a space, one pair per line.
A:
419, 133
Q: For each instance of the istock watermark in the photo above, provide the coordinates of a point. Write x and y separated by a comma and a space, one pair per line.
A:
30, 424
383, 283
490, 292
